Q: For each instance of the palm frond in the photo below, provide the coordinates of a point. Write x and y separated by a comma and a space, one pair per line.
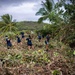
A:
41, 11
8, 24
41, 19
47, 5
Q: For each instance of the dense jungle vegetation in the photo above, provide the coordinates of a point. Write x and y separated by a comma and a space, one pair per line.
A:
59, 59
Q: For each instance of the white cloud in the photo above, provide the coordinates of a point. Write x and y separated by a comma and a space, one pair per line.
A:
25, 11
22, 12
24, 8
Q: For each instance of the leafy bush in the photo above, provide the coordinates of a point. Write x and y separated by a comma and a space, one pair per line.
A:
56, 72
10, 34
37, 56
49, 29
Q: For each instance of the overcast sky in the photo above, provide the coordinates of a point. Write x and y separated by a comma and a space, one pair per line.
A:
21, 10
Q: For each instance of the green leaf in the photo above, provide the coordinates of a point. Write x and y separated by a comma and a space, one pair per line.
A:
56, 72
74, 52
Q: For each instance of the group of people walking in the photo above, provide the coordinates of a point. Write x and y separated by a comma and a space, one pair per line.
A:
21, 40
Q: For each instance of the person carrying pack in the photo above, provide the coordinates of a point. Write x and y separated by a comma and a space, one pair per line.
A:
8, 42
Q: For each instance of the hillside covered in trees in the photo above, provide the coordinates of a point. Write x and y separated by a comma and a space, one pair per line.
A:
29, 25
56, 57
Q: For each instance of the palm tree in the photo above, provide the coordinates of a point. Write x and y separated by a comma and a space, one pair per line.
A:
49, 12
8, 24
45, 10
